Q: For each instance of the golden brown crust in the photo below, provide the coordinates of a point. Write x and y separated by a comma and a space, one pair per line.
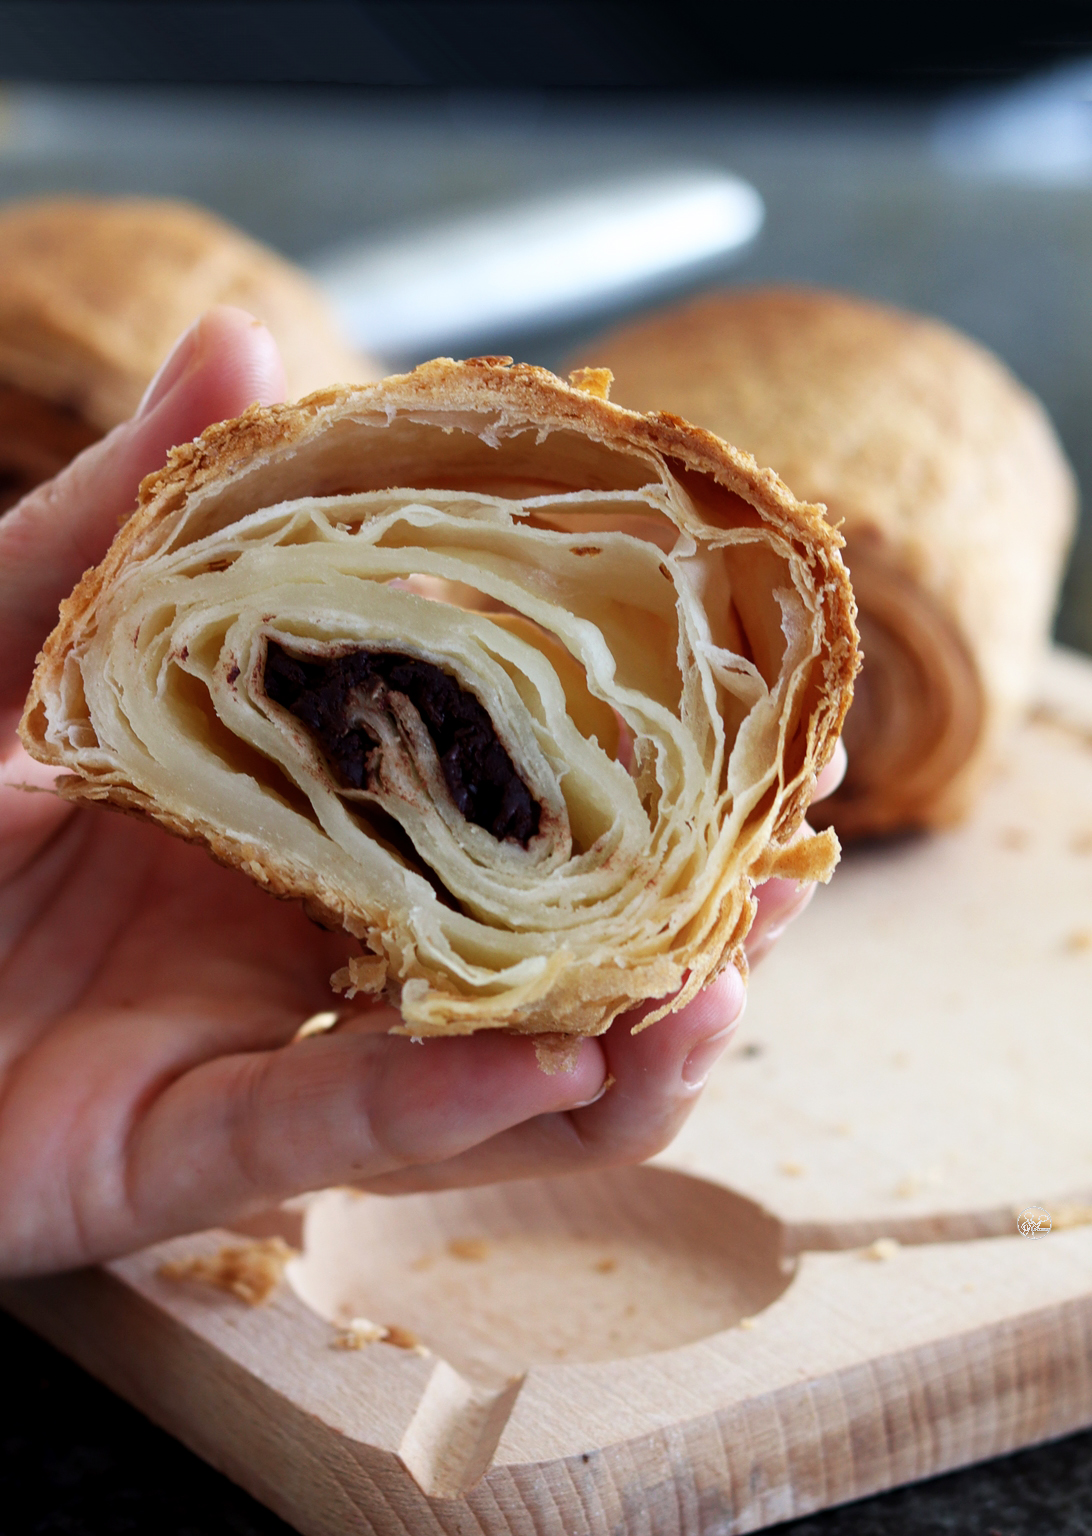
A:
94, 292
947, 481
528, 393
291, 450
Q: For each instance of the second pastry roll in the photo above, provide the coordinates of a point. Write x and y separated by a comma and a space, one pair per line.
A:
951, 489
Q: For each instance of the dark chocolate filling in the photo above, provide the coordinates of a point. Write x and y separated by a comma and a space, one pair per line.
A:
481, 776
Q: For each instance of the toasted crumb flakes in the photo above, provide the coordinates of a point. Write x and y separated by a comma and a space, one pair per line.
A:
359, 1332
883, 1248
472, 1249
251, 1271
365, 973
557, 1053
402, 1338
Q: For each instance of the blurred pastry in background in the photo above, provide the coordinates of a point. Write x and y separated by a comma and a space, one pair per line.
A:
953, 493
93, 294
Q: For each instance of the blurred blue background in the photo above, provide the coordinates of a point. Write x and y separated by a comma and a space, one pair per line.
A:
950, 172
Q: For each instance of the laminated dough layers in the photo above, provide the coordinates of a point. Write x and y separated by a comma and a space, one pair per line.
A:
93, 294
522, 690
947, 480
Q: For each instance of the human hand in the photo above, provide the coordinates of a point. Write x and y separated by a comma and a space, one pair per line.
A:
150, 1083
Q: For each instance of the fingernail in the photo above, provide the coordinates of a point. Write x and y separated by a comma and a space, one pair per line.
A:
170, 370
704, 1056
608, 1082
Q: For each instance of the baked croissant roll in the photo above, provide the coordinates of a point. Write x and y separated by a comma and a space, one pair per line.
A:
945, 477
93, 294
523, 690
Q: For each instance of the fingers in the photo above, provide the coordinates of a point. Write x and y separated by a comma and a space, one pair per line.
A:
779, 902
223, 363
658, 1076
333, 1109
384, 1113
833, 774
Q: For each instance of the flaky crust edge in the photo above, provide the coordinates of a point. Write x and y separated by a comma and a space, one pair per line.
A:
525, 395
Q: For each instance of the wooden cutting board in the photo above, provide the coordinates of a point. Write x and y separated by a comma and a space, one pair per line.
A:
668, 1349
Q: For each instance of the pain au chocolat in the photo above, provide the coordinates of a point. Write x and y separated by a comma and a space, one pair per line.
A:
945, 477
522, 690
93, 294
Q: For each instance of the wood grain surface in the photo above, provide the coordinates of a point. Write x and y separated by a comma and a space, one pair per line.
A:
667, 1349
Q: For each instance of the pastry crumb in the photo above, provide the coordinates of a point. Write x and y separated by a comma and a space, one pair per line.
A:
359, 1332
250, 1271
471, 1249
317, 1024
1077, 941
365, 973
605, 1266
557, 1053
402, 1338
592, 381
791, 1169
883, 1248
748, 1322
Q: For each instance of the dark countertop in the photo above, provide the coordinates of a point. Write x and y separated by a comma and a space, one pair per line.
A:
75, 1459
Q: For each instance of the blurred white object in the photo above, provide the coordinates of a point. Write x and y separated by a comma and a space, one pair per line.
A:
1037, 131
536, 262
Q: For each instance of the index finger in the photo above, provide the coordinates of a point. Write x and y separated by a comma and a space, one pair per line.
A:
655, 1080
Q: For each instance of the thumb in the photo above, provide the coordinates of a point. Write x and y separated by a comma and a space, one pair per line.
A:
225, 362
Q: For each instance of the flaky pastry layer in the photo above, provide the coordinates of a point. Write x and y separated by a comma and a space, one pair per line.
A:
523, 690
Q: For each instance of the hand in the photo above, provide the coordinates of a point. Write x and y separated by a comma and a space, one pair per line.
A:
149, 1082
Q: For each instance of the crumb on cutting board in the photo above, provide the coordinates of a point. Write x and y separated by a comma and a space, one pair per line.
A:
883, 1248
359, 1332
250, 1271
471, 1249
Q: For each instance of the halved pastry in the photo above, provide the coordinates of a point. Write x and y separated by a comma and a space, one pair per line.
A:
946, 478
93, 294
523, 690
